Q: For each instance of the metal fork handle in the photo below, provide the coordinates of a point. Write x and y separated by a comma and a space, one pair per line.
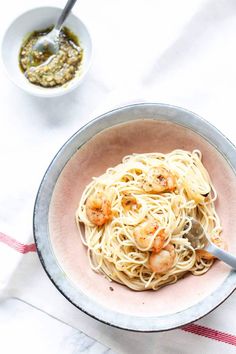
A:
64, 14
222, 255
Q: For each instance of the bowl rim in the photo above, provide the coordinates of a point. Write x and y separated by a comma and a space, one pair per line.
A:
42, 237
45, 91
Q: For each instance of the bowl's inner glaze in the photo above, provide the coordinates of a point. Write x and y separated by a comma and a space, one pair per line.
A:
107, 149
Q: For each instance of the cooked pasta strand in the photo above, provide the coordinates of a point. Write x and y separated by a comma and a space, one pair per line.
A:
137, 213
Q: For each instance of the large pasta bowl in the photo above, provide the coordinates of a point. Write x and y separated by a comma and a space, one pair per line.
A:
89, 152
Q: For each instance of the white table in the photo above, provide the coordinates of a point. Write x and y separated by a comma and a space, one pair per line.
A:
179, 52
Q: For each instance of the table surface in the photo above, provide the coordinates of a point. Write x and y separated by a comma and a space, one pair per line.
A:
178, 52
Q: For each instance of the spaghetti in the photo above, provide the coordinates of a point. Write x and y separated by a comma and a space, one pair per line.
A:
137, 214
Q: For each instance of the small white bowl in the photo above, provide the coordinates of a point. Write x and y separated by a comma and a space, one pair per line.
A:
100, 144
38, 19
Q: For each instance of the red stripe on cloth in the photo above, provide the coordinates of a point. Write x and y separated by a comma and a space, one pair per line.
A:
19, 247
210, 333
191, 328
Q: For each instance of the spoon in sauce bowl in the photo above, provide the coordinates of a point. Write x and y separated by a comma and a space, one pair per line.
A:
196, 236
49, 43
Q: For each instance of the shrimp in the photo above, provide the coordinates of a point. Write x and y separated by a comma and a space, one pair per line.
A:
98, 209
204, 254
128, 201
159, 180
161, 262
145, 232
197, 197
217, 240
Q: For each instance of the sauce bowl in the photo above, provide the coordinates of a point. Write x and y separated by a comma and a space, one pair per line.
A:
38, 19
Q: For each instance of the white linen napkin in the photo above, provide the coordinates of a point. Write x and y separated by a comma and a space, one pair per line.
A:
30, 284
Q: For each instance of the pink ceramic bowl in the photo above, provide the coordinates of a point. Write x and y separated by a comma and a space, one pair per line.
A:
89, 152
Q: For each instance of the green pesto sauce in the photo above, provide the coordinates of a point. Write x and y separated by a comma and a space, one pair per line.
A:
29, 59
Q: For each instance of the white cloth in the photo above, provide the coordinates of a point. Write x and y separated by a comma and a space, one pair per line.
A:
179, 52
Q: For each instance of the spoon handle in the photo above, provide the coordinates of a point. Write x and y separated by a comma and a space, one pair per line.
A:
222, 255
64, 14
